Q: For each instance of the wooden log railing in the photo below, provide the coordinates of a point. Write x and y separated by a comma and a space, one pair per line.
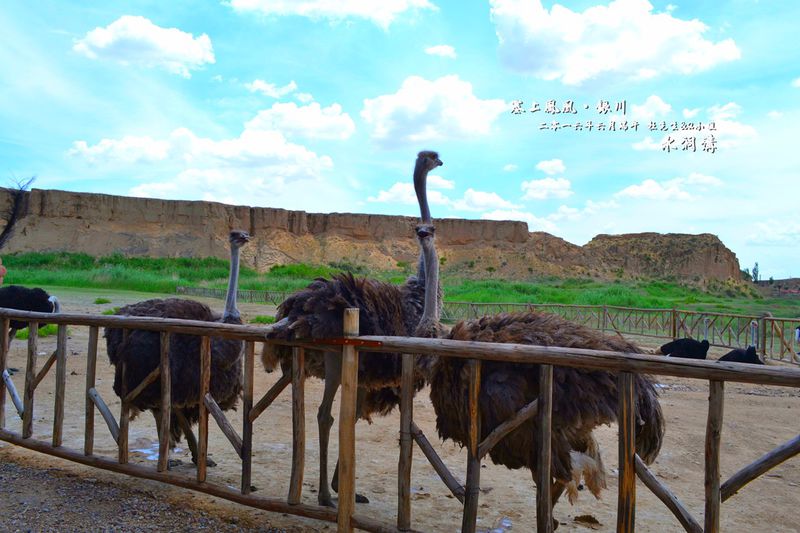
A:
346, 517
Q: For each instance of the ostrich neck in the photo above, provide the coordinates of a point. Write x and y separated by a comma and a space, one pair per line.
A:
431, 311
231, 312
420, 187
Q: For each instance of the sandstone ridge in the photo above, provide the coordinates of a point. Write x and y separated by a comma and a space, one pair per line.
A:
100, 224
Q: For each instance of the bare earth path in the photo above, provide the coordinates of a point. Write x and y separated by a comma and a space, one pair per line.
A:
40, 493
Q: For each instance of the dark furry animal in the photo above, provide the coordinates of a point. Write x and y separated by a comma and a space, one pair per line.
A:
686, 348
582, 399
317, 311
25, 299
140, 353
739, 355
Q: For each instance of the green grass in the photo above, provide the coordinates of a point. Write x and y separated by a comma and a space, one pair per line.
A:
102, 301
47, 331
117, 273
111, 311
262, 319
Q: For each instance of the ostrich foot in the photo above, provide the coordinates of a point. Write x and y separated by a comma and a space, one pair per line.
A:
172, 463
209, 462
361, 499
325, 501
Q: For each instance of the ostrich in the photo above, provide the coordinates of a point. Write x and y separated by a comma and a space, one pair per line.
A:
140, 353
316, 312
686, 348
582, 399
739, 355
25, 299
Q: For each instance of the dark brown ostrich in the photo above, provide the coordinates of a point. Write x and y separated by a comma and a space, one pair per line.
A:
140, 352
582, 399
686, 348
742, 355
317, 312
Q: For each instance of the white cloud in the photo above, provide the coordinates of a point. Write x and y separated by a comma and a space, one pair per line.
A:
774, 232
674, 189
136, 40
690, 113
730, 132
625, 37
510, 168
653, 107
546, 188
796, 82
481, 201
774, 114
438, 182
441, 50
534, 223
423, 110
551, 166
382, 13
270, 89
311, 121
304, 97
127, 150
403, 193
647, 144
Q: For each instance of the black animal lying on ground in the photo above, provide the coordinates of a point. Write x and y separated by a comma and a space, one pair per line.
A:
740, 355
687, 348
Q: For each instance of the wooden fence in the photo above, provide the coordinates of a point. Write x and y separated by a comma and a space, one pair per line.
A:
624, 364
774, 338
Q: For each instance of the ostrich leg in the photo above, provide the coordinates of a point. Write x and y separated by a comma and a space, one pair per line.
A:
360, 395
333, 378
183, 423
556, 490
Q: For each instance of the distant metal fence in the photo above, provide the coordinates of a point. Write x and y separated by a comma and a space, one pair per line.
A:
775, 338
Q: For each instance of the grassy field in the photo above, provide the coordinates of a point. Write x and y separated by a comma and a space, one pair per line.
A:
149, 276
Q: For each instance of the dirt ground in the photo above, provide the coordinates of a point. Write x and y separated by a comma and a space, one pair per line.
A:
41, 493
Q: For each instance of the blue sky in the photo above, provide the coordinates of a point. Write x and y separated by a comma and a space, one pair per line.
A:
321, 105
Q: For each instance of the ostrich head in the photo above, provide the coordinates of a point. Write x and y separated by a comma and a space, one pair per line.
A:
237, 239
426, 161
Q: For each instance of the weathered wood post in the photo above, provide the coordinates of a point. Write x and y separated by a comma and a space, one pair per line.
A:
202, 425
473, 488
674, 324
626, 415
716, 400
347, 425
544, 508
61, 385
247, 424
3, 361
30, 380
166, 403
406, 444
298, 425
91, 372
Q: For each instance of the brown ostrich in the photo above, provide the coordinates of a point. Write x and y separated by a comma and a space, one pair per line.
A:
140, 352
316, 312
582, 399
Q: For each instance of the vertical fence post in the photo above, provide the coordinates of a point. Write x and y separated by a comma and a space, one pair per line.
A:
347, 425
202, 425
30, 380
247, 425
124, 418
91, 372
473, 488
406, 444
298, 425
626, 415
5, 324
674, 324
166, 403
605, 318
763, 344
716, 399
705, 327
61, 385
544, 505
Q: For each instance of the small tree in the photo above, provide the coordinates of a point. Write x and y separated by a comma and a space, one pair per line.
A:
755, 272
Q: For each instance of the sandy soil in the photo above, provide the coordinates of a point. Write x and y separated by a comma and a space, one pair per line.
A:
41, 493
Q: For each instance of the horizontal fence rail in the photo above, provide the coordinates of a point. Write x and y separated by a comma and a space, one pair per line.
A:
774, 338
353, 346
